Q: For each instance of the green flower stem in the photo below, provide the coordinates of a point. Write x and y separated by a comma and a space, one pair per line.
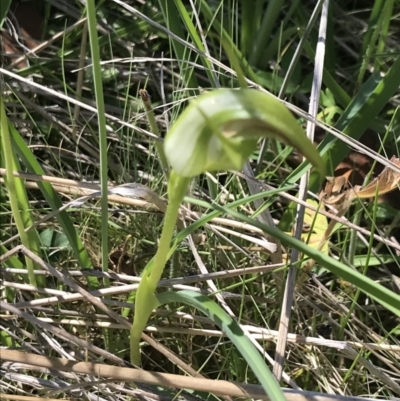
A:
146, 300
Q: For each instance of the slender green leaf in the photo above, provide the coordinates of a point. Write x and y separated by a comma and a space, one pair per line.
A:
267, 25
378, 292
171, 16
5, 6
54, 201
221, 32
197, 41
232, 329
18, 197
98, 87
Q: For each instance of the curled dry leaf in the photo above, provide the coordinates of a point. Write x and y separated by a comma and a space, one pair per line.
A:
387, 181
336, 194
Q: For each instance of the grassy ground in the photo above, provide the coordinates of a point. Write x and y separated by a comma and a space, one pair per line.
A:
80, 125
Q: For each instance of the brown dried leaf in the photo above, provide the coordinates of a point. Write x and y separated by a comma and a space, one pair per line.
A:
386, 181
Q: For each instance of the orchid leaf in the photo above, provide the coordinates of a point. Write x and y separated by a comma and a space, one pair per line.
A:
235, 333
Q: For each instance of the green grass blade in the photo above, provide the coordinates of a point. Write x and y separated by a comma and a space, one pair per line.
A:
232, 329
18, 197
220, 30
384, 296
331, 148
197, 41
263, 36
372, 23
340, 95
384, 32
377, 36
251, 20
98, 86
151, 118
55, 203
5, 6
373, 101
235, 63
207, 217
371, 106
295, 59
171, 16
